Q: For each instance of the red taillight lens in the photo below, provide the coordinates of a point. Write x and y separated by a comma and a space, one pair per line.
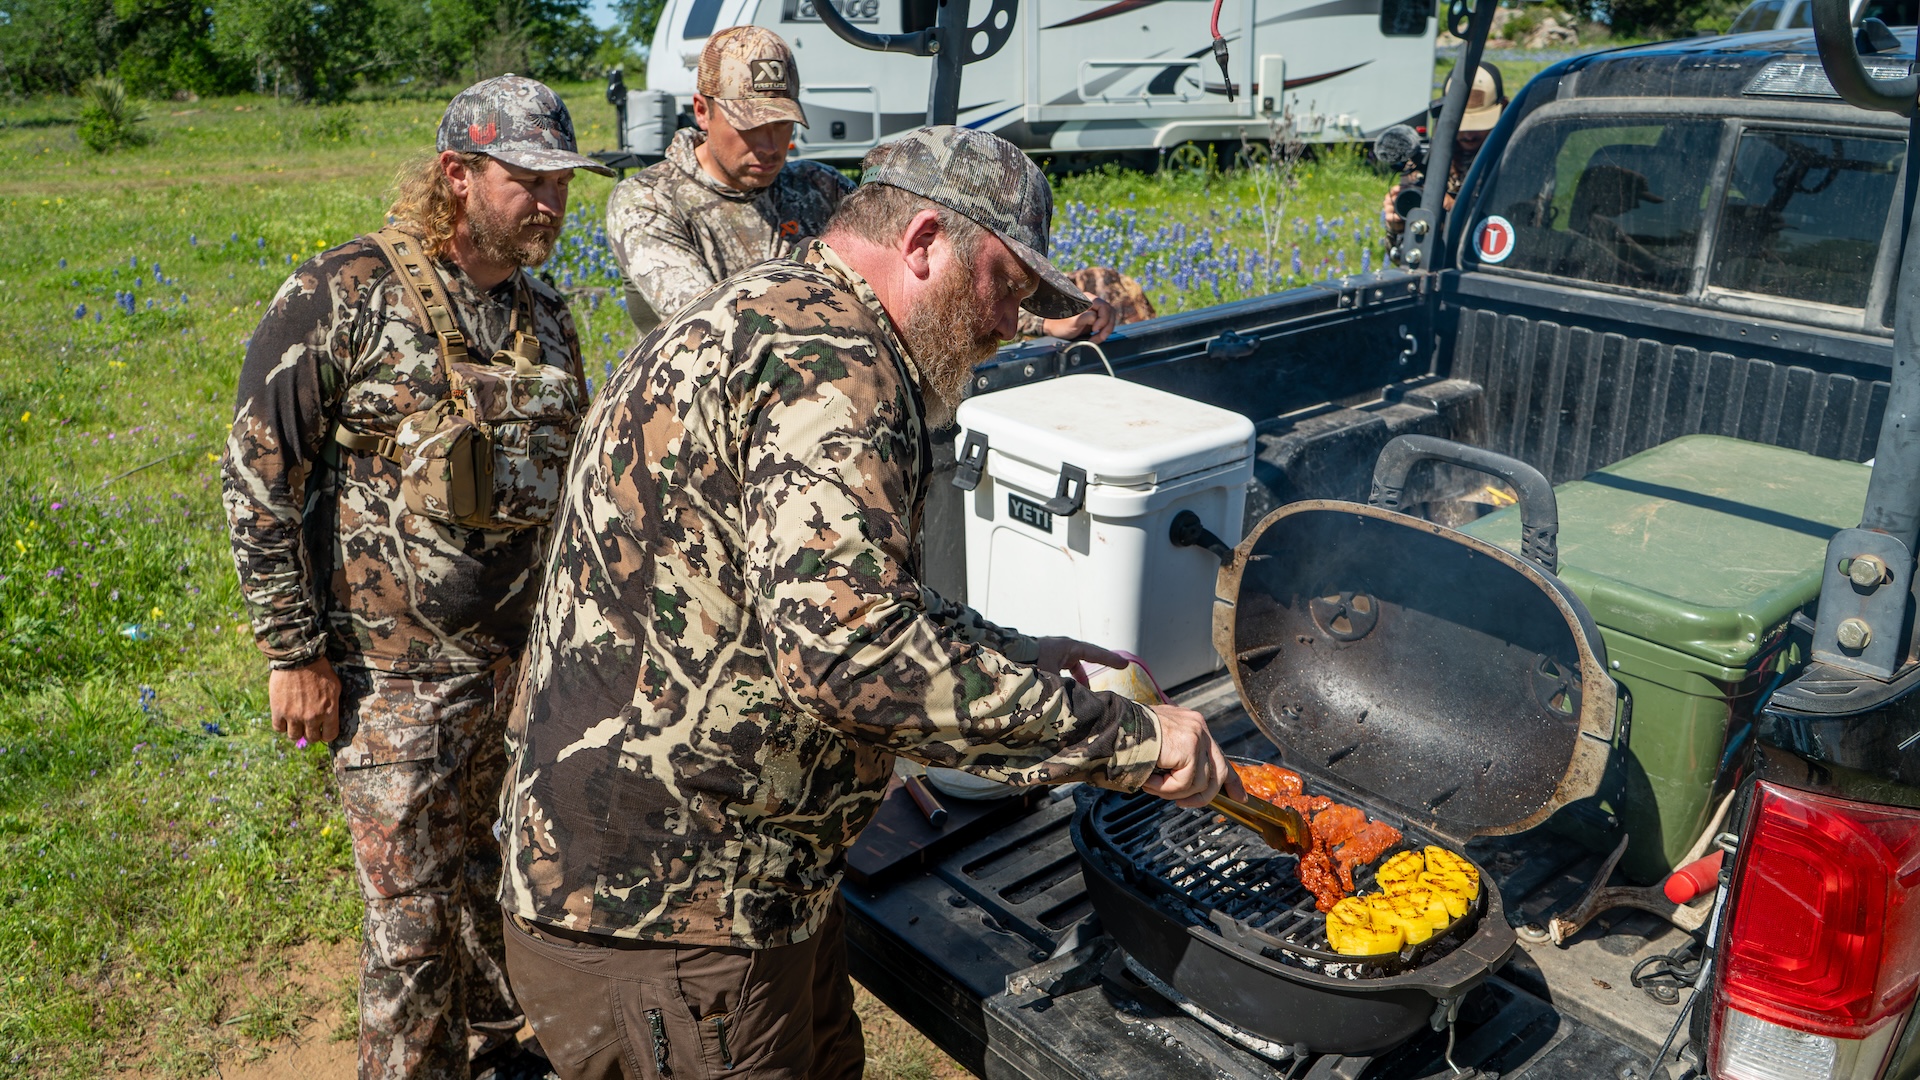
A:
1824, 931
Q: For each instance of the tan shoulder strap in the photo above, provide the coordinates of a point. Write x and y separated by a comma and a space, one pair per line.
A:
429, 292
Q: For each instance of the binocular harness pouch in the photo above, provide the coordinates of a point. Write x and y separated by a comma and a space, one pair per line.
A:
493, 453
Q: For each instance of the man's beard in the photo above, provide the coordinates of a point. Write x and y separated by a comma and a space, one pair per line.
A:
501, 238
948, 335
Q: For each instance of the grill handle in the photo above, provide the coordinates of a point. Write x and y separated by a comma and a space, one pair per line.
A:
1539, 511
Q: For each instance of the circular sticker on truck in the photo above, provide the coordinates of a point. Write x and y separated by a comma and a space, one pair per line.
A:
1494, 239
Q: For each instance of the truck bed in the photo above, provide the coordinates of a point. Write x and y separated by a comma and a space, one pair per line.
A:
993, 951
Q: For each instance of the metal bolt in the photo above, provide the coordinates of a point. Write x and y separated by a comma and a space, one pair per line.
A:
1419, 228
981, 382
1028, 371
1867, 571
1413, 256
933, 46
1854, 634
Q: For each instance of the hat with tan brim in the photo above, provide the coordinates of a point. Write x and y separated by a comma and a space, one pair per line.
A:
748, 73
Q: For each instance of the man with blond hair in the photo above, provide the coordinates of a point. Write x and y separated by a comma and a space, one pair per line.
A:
733, 640
404, 415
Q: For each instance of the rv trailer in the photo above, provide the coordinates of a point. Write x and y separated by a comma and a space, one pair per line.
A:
1090, 77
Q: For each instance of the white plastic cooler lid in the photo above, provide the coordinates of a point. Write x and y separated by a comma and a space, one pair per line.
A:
1123, 434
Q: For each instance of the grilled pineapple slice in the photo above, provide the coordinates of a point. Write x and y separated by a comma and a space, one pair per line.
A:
1452, 890
1352, 930
1400, 873
1442, 861
1406, 911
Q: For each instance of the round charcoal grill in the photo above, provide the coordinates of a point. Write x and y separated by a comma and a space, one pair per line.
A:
1199, 864
1446, 686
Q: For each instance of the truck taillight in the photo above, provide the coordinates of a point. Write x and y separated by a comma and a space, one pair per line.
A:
1822, 950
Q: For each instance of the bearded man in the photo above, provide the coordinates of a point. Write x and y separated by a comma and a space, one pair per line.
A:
733, 642
404, 416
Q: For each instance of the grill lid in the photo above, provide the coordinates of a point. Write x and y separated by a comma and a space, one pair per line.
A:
1462, 685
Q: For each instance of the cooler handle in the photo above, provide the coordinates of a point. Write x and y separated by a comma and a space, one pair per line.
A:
1070, 493
1539, 510
972, 460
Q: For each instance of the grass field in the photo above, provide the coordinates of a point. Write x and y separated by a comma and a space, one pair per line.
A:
161, 850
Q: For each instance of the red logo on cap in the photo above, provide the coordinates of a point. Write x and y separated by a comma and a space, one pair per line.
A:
482, 135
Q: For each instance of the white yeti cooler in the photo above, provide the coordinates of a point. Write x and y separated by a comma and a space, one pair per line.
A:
1075, 486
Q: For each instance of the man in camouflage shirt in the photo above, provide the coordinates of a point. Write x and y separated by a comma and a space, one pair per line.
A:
391, 636
727, 198
733, 643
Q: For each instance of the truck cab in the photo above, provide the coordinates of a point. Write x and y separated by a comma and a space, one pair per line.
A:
1669, 285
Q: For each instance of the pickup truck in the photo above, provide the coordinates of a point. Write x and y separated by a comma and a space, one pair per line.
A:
1667, 242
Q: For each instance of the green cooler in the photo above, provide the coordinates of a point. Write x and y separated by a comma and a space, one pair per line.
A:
1692, 557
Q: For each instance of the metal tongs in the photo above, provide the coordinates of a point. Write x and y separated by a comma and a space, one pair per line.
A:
1281, 827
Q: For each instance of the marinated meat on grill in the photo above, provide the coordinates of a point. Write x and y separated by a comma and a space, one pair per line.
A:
1269, 782
1364, 846
1317, 874
1333, 825
1342, 836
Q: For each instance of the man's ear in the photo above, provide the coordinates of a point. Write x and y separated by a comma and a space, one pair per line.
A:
701, 111
454, 167
917, 240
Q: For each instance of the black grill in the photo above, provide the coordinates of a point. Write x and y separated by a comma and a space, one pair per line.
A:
1208, 869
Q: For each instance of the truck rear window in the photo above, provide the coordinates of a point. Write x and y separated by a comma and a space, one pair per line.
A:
1617, 203
1804, 214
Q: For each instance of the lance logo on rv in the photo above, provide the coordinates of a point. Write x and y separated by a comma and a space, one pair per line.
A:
769, 76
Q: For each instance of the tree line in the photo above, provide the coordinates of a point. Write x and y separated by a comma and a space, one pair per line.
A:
306, 49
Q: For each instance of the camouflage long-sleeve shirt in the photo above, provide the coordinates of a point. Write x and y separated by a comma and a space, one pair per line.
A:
732, 643
330, 560
677, 232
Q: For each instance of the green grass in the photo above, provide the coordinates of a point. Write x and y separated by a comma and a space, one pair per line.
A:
162, 851
160, 846
1197, 238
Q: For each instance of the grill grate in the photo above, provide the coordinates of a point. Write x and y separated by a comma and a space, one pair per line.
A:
1219, 866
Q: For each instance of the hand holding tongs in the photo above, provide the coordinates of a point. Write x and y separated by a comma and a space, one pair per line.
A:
1282, 827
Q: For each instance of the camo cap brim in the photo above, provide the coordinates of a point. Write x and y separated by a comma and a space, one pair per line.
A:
996, 186
745, 113
517, 120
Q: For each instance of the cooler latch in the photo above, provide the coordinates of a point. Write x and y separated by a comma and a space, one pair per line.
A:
973, 459
1069, 493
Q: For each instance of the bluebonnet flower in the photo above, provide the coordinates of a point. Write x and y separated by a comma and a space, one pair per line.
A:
147, 694
80, 312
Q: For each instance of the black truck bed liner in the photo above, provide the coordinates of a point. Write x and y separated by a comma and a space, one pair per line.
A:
992, 952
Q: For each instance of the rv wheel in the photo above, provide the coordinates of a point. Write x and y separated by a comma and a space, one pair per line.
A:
1186, 158
1252, 155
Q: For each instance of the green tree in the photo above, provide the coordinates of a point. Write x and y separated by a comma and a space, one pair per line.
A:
300, 48
53, 46
639, 18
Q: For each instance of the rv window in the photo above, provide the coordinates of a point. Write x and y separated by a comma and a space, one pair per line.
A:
1759, 15
917, 15
1892, 12
1801, 18
1404, 18
1804, 214
1615, 203
700, 19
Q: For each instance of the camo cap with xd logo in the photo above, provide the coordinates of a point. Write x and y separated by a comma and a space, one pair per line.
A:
516, 120
989, 180
747, 72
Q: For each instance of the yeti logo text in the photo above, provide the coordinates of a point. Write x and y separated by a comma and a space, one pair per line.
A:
769, 76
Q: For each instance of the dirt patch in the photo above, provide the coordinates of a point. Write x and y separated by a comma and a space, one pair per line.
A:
312, 1052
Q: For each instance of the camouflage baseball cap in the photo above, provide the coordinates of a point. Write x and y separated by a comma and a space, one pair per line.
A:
748, 73
516, 120
989, 180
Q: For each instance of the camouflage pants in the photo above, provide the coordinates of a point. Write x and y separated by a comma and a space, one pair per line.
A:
420, 762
